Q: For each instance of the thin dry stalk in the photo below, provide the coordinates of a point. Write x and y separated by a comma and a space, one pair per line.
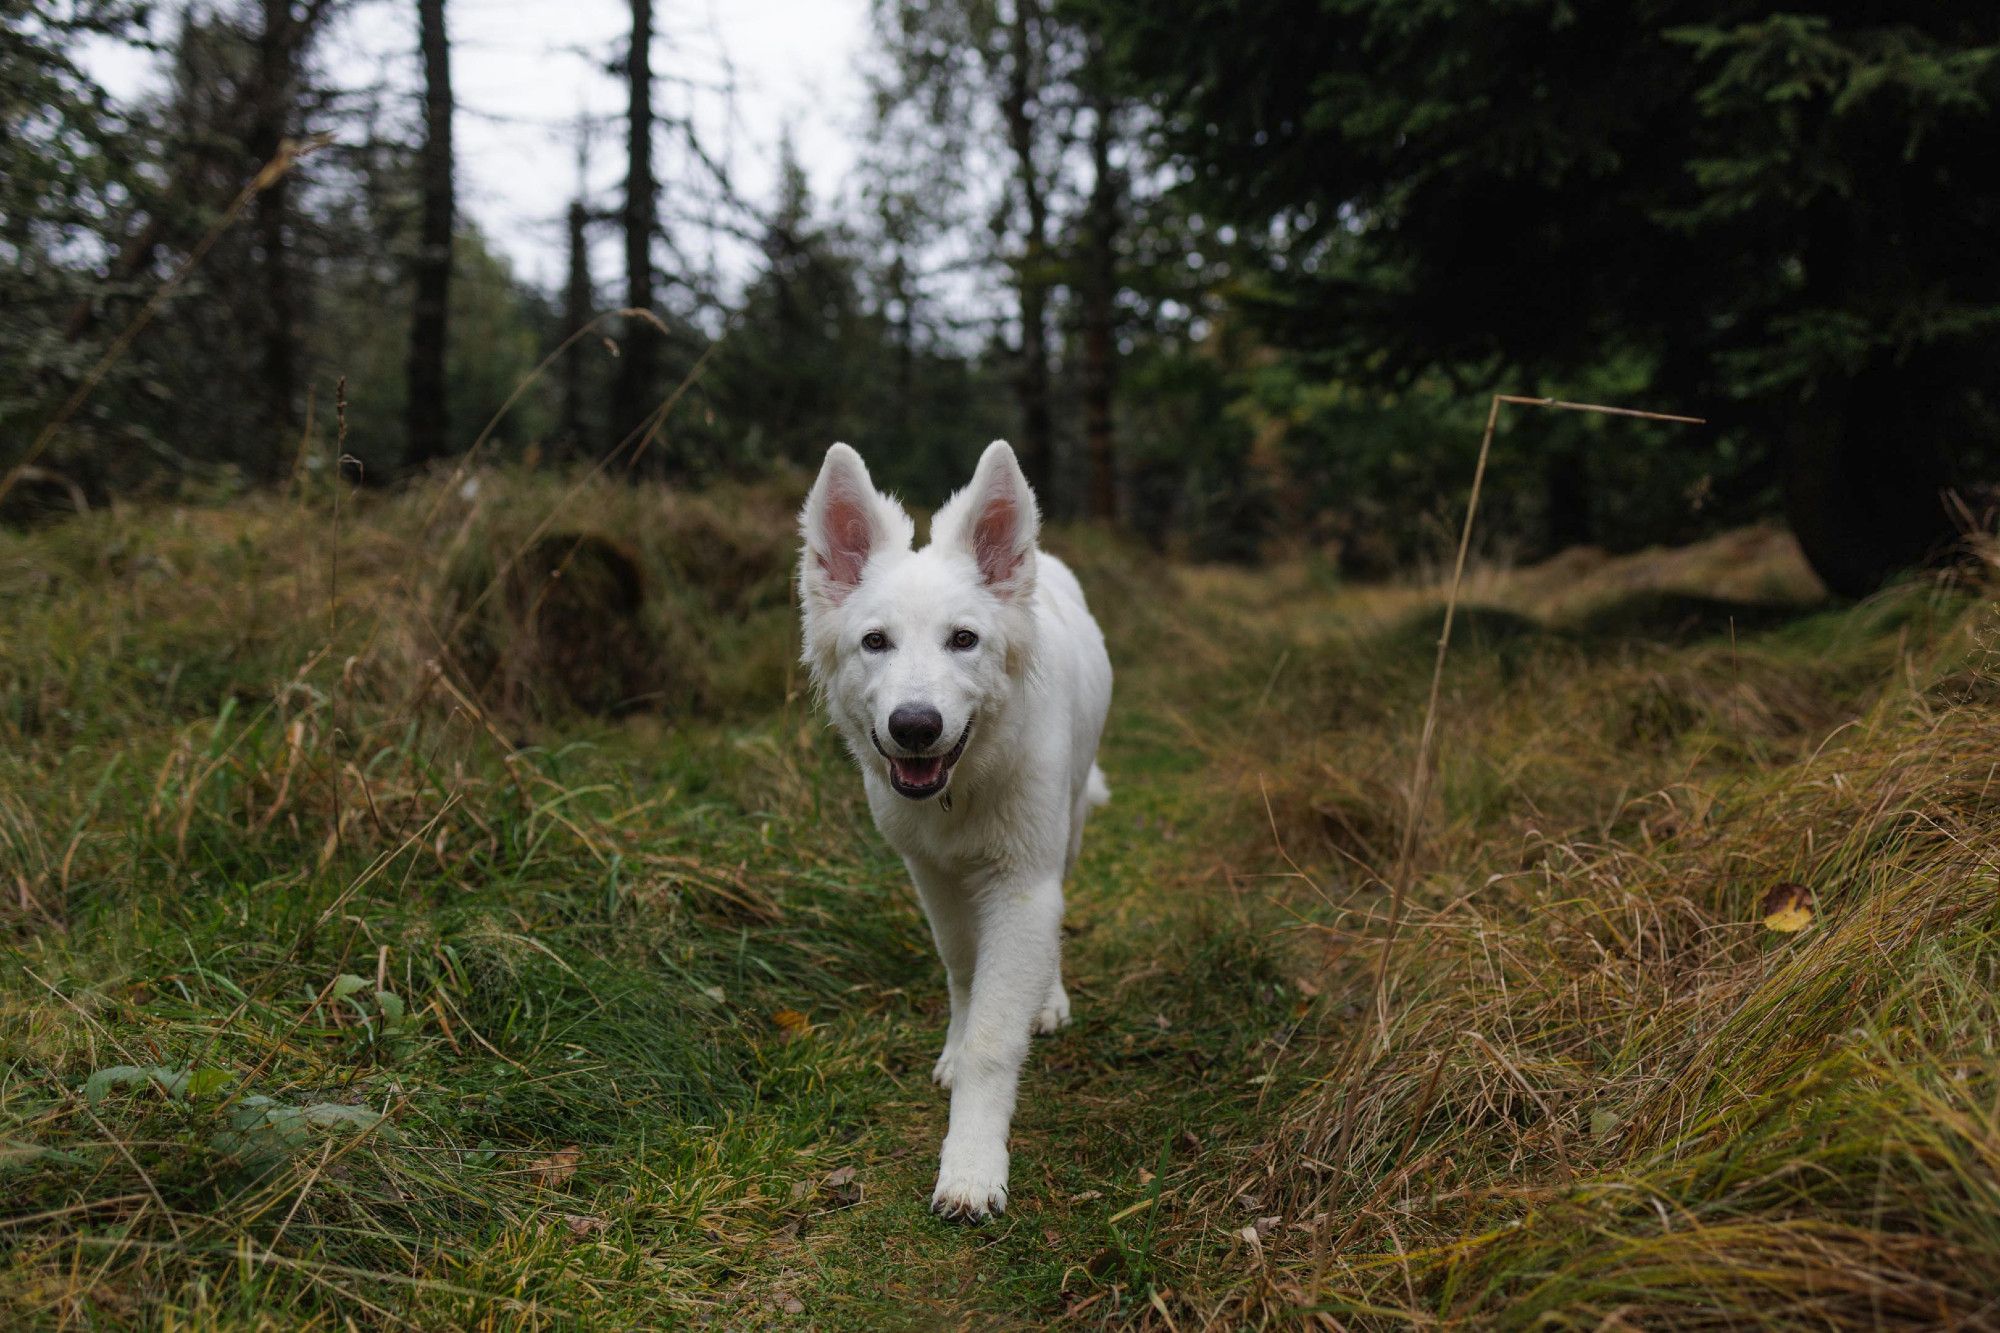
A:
637, 442
333, 603
472, 450
1420, 780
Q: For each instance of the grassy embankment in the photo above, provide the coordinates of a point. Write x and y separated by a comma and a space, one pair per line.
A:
341, 989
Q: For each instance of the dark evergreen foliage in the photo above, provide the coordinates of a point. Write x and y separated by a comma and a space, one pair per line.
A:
1782, 220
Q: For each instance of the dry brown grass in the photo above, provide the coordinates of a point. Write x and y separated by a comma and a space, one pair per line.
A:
1608, 1095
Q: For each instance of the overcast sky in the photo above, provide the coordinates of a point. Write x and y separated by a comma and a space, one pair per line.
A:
523, 70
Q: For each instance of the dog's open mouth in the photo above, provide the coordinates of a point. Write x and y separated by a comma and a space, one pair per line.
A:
923, 776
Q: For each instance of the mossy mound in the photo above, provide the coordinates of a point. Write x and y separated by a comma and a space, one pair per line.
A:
687, 608
567, 625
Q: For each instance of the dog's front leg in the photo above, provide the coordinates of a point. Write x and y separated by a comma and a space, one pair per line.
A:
1019, 947
955, 927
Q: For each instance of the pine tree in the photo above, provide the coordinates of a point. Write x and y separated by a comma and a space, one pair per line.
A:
427, 420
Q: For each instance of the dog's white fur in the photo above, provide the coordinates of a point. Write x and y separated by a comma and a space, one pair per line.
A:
989, 855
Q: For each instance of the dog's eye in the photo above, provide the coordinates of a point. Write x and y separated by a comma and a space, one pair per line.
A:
875, 641
964, 639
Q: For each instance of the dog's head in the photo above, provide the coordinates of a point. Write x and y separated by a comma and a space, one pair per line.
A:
911, 648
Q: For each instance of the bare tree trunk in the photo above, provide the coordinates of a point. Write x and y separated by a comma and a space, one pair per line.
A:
1099, 295
1037, 443
277, 76
426, 419
576, 313
906, 348
633, 396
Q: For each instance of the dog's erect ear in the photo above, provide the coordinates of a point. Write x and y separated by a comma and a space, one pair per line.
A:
994, 520
845, 521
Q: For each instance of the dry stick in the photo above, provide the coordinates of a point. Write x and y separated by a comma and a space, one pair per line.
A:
289, 152
382, 861
87, 1206
333, 609
145, 1179
1420, 780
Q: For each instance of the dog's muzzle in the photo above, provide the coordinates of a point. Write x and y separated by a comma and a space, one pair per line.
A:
920, 777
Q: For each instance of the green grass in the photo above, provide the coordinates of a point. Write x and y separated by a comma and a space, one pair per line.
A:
339, 987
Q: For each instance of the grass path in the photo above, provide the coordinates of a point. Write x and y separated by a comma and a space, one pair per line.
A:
1182, 1011
626, 1029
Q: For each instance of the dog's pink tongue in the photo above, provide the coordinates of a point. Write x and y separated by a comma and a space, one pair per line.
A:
919, 772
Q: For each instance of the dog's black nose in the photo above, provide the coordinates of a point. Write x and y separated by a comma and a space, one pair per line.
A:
916, 727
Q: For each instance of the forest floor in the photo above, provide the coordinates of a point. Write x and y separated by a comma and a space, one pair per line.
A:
340, 989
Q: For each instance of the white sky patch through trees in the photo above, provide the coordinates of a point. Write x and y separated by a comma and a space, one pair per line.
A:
745, 72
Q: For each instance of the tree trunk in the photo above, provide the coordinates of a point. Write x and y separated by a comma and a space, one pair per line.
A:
1865, 475
906, 350
1100, 293
1865, 457
277, 75
576, 313
426, 420
633, 398
1037, 443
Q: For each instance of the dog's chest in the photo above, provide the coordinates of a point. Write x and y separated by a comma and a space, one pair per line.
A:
979, 835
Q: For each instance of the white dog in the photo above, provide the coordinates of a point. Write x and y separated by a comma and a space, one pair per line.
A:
971, 684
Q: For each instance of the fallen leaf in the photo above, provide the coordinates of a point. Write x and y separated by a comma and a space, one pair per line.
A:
1264, 1226
1788, 908
1306, 988
841, 1189
555, 1169
792, 1023
582, 1226
1145, 1176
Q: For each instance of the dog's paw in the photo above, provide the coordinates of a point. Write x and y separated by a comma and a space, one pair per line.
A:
971, 1186
1055, 1013
946, 1066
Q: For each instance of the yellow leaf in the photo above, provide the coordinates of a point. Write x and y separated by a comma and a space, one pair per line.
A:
792, 1023
1788, 908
